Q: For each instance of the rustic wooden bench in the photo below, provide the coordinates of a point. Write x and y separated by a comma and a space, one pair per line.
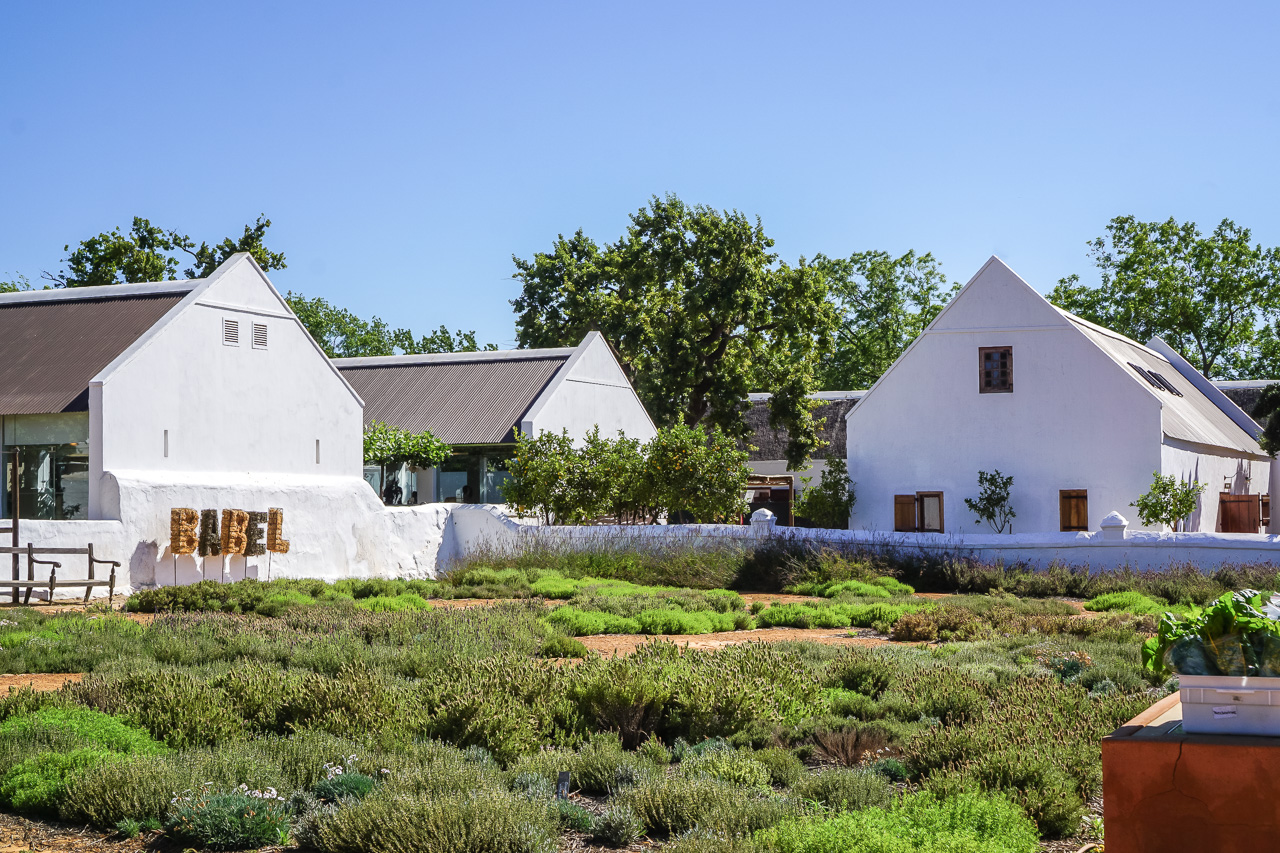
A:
53, 583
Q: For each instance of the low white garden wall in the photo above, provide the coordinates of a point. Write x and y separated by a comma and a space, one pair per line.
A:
337, 529
476, 528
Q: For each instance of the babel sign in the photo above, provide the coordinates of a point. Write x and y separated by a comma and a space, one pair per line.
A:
238, 532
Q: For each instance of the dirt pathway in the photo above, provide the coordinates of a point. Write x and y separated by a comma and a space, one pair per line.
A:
625, 644
41, 681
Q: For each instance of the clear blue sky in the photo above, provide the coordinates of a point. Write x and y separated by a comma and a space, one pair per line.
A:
405, 151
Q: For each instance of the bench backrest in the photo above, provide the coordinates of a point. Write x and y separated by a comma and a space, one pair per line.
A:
23, 550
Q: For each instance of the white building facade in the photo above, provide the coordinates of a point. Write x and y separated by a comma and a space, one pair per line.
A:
123, 403
1079, 416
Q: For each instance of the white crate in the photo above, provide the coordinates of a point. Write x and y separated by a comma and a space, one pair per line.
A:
1230, 705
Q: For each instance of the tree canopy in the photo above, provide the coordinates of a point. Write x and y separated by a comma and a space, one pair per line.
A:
700, 311
342, 334
147, 252
1215, 299
883, 303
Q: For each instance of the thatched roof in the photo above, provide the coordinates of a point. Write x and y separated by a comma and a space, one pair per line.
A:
771, 444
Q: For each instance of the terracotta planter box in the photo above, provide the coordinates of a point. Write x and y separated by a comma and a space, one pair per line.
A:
1165, 790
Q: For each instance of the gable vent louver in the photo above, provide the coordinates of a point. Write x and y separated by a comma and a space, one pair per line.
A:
259, 335
231, 332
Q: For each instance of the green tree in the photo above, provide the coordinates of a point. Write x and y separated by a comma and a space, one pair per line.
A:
389, 447
992, 504
698, 474
342, 334
883, 304
1168, 501
147, 252
17, 283
1264, 411
1213, 299
700, 311
829, 503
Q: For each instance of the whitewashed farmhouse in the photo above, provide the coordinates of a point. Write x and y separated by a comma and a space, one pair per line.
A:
1080, 416
121, 403
476, 402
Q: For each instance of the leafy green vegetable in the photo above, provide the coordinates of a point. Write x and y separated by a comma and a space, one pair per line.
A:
1231, 636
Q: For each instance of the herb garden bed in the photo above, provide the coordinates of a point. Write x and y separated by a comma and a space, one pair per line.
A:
967, 722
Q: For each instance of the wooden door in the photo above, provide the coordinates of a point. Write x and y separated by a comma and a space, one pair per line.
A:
1239, 513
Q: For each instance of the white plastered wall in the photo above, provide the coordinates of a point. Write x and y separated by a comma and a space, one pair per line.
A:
227, 409
590, 390
1189, 463
925, 427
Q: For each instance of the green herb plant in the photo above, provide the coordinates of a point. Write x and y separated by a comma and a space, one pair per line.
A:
1231, 636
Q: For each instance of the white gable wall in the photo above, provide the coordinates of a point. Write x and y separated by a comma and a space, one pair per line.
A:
925, 426
590, 390
227, 409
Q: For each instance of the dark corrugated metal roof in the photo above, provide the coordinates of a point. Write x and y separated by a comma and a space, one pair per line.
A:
459, 402
50, 349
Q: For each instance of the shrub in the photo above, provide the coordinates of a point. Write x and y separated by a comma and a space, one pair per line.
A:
578, 623
393, 604
966, 823
36, 786
1129, 601
230, 821
175, 706
829, 503
603, 766
342, 785
673, 804
83, 725
784, 767
891, 769
850, 745
656, 752
737, 768
392, 821
617, 826
573, 816
845, 790
557, 646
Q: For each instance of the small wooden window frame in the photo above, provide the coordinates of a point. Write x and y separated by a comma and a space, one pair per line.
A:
1007, 387
942, 526
1063, 496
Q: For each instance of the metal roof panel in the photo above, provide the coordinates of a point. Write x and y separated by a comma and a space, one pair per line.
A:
50, 348
459, 402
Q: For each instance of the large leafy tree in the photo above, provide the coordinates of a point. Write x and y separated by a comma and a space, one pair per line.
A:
700, 311
147, 252
883, 303
1212, 298
342, 334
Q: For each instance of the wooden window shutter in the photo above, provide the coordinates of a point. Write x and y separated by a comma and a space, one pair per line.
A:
904, 513
1073, 509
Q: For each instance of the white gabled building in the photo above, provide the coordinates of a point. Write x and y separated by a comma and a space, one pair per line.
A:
1078, 415
122, 403
477, 401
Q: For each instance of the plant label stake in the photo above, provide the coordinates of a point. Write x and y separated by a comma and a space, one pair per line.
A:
562, 785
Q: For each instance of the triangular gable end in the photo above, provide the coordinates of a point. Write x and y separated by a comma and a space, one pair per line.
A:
236, 275
985, 302
996, 297
593, 360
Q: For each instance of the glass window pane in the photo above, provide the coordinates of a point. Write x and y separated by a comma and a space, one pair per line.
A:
931, 506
